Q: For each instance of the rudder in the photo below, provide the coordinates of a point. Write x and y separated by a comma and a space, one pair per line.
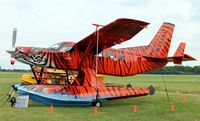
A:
160, 44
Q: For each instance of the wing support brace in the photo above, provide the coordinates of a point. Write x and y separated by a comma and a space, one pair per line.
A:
88, 49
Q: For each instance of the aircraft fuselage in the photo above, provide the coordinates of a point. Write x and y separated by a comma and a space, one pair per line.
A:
118, 62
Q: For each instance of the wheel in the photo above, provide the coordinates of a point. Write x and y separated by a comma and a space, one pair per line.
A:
13, 101
151, 90
97, 103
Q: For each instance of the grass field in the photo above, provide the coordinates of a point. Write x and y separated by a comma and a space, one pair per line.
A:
154, 108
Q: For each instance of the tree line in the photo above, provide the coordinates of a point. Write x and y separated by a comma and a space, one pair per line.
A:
15, 70
176, 70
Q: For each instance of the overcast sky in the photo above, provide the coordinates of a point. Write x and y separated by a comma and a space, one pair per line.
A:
46, 22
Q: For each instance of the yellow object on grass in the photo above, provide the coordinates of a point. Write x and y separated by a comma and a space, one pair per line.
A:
28, 78
51, 78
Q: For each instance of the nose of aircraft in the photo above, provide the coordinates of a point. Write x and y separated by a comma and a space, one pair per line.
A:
12, 53
12, 61
24, 50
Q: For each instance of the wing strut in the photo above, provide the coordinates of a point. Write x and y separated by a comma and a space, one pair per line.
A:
97, 50
88, 49
38, 80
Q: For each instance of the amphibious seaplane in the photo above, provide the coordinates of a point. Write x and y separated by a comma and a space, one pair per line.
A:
94, 55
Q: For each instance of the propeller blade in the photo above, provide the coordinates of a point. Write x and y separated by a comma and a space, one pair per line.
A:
14, 36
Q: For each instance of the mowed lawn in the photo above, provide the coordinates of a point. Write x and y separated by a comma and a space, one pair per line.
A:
154, 108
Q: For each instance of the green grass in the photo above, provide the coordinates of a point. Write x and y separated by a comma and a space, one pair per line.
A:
155, 108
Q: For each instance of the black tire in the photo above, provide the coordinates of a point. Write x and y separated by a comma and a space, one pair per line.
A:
97, 104
13, 101
151, 90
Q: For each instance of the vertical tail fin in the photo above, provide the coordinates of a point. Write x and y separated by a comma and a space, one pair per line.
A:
180, 50
179, 54
160, 44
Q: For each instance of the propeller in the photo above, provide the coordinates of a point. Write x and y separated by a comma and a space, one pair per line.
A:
12, 52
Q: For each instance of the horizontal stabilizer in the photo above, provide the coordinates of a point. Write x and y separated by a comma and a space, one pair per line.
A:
180, 59
175, 60
179, 55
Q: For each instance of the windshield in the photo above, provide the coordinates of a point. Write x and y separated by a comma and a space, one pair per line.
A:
63, 46
66, 47
56, 46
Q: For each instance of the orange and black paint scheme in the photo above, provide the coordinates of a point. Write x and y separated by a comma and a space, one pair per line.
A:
81, 57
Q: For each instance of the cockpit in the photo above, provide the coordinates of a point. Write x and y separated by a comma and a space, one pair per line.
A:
62, 46
56, 46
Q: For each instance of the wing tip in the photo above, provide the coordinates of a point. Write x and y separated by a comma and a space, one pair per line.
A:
169, 23
134, 20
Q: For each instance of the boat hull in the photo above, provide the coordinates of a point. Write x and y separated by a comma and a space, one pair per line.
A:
67, 95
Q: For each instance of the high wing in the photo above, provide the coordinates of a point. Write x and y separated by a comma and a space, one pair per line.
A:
114, 33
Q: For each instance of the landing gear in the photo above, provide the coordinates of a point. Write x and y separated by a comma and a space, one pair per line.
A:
97, 104
12, 101
151, 90
11, 97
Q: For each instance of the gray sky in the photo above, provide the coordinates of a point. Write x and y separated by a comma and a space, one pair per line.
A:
46, 22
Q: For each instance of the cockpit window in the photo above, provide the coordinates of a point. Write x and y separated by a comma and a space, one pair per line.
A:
66, 47
100, 54
121, 56
110, 54
63, 46
56, 46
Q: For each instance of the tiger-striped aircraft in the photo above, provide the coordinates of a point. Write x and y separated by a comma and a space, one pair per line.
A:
94, 55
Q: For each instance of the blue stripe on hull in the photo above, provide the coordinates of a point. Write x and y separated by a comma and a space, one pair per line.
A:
61, 99
55, 99
49, 101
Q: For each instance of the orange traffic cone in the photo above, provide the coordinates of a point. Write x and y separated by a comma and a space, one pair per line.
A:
172, 107
51, 109
134, 108
95, 111
183, 99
